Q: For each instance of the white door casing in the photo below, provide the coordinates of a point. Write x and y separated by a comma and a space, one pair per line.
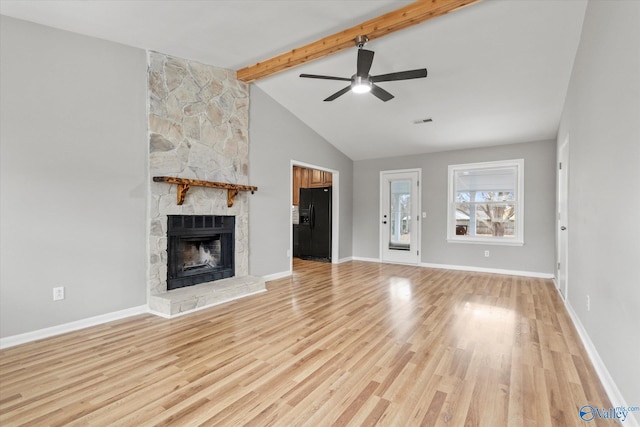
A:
399, 216
562, 234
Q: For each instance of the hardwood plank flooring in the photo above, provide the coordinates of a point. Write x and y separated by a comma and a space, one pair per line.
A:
333, 345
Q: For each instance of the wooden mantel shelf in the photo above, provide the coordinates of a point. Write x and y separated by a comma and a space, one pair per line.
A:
184, 184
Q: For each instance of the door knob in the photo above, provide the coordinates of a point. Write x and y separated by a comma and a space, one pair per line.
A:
563, 228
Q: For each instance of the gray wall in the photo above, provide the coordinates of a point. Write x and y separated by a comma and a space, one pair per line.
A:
275, 138
537, 255
602, 118
72, 176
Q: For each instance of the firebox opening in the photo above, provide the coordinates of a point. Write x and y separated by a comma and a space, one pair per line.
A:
198, 254
200, 249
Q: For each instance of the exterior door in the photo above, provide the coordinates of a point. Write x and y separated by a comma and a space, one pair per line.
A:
563, 218
399, 216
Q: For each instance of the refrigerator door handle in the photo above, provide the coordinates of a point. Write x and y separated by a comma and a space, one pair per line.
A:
312, 216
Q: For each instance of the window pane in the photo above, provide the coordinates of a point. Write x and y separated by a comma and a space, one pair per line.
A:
485, 219
400, 208
494, 196
463, 216
463, 196
497, 220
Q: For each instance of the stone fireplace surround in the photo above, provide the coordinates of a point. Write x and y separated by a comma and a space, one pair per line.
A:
198, 129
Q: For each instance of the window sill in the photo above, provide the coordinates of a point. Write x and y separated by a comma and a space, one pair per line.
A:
481, 241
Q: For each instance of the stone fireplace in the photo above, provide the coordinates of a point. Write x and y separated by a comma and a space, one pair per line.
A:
198, 129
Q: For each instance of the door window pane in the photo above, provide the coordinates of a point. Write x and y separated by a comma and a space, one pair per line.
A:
400, 209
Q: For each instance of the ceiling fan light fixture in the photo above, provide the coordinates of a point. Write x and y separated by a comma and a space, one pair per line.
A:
362, 81
360, 85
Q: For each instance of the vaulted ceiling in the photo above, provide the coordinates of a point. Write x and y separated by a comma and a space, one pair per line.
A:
498, 70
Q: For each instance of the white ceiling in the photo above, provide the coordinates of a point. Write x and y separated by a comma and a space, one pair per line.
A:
498, 69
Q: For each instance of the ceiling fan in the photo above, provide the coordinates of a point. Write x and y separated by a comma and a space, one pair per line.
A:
362, 82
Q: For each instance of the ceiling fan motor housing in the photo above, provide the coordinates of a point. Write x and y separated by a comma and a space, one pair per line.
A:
361, 41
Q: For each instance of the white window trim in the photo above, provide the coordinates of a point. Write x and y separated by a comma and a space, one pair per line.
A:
518, 239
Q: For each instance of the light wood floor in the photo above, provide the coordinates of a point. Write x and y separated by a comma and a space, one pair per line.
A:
350, 344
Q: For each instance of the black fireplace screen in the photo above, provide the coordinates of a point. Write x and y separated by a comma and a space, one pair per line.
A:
200, 249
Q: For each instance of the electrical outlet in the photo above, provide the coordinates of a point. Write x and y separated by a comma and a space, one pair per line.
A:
486, 254
288, 253
58, 293
588, 303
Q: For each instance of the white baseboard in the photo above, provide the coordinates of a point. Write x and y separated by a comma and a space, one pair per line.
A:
610, 387
276, 276
490, 270
71, 326
470, 268
347, 259
365, 259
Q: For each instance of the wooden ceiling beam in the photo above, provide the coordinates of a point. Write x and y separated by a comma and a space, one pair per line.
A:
407, 16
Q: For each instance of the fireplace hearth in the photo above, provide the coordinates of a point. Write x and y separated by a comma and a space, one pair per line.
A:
200, 249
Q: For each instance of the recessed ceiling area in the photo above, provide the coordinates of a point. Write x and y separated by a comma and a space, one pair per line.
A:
498, 71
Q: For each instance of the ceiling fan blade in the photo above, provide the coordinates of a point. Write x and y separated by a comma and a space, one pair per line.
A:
365, 59
338, 93
381, 93
401, 75
316, 76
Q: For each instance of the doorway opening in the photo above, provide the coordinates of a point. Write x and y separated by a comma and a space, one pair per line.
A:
314, 213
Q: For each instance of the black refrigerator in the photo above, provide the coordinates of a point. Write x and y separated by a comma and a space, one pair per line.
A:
314, 225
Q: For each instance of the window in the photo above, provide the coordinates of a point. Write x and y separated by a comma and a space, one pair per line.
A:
486, 203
